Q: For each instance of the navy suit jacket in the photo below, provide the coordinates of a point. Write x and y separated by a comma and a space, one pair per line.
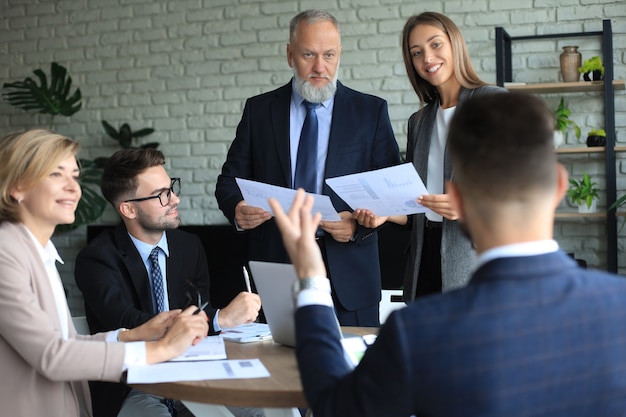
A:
116, 290
361, 139
529, 336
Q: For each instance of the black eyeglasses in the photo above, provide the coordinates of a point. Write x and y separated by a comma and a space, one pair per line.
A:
164, 196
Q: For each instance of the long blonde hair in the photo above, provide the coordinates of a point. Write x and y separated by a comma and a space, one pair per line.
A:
463, 69
25, 159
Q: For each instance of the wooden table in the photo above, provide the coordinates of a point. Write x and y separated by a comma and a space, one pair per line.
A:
278, 394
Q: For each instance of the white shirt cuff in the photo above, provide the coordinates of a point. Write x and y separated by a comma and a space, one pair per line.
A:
134, 353
314, 296
216, 325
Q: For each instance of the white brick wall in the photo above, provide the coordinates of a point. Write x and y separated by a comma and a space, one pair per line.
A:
186, 68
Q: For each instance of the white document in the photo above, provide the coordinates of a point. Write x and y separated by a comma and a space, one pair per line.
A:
256, 194
210, 348
385, 192
197, 371
246, 333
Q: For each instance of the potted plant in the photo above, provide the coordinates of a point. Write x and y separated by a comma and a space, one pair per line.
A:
594, 67
562, 122
584, 193
596, 137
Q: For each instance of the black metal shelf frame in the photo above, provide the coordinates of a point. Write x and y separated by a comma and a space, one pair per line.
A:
504, 74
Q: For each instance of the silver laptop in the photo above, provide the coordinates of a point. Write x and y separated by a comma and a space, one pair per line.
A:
273, 282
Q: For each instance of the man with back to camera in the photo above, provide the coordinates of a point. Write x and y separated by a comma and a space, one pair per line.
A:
348, 132
115, 272
532, 334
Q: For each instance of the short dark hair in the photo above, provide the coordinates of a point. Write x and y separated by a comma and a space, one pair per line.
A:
502, 147
119, 179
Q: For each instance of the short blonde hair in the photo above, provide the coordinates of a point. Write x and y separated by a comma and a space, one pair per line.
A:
25, 160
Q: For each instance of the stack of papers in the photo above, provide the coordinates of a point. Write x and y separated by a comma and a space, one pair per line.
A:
246, 333
196, 371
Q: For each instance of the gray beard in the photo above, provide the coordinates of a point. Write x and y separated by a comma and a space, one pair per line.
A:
314, 94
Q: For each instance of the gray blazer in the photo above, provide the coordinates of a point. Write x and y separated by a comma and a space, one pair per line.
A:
457, 253
47, 375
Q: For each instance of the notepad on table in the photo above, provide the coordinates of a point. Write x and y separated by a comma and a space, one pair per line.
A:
246, 333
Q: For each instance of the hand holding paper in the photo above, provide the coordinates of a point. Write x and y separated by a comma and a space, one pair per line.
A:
385, 192
256, 194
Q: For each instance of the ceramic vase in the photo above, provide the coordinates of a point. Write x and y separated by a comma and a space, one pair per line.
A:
559, 138
582, 208
570, 60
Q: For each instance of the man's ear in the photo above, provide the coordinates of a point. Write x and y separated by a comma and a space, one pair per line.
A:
456, 200
289, 56
127, 210
562, 184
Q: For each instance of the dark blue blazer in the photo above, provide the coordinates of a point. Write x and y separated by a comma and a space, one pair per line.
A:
361, 139
116, 291
529, 336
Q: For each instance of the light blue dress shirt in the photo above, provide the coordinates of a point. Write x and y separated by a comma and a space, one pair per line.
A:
144, 250
297, 113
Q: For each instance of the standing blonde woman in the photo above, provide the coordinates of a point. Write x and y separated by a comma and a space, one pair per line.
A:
441, 73
45, 364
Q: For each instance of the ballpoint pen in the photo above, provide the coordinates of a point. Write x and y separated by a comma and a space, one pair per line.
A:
202, 307
246, 278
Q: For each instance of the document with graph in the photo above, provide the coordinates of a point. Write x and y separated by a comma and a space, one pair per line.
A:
385, 192
256, 194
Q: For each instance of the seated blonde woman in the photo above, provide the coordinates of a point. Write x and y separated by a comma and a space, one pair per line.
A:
45, 363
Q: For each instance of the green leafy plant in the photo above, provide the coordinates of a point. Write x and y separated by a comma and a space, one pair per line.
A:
597, 132
583, 191
125, 135
52, 99
592, 64
562, 120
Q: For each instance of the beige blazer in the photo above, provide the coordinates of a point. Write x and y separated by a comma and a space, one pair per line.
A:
43, 375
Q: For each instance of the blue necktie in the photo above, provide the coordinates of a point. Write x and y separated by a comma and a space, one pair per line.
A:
306, 163
159, 297
157, 280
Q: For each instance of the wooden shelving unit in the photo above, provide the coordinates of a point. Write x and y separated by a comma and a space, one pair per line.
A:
576, 215
577, 87
597, 149
504, 77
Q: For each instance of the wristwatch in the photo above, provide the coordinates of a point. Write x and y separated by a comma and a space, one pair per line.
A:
316, 282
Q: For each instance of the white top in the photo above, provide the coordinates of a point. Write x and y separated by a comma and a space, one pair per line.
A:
434, 180
49, 256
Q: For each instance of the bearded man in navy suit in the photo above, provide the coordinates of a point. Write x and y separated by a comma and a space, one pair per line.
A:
532, 334
354, 134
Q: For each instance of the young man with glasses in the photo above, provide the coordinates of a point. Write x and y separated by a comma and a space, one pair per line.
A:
143, 266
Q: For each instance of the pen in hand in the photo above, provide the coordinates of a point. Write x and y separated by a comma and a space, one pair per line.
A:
202, 307
246, 278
